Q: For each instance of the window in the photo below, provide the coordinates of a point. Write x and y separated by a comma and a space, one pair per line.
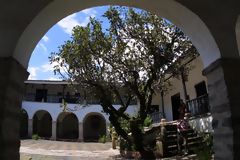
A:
154, 108
201, 89
41, 95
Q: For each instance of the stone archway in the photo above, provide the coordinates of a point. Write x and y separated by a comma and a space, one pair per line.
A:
223, 68
94, 126
67, 126
177, 13
42, 124
23, 123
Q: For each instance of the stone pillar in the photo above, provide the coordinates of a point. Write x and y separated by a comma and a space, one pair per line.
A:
54, 130
30, 127
80, 132
224, 96
12, 77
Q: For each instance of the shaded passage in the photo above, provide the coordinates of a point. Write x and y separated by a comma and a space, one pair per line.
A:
67, 126
23, 124
94, 126
42, 124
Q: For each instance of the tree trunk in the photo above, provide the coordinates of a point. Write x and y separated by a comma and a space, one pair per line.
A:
137, 135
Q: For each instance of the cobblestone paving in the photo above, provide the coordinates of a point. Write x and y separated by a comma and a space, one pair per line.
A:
56, 150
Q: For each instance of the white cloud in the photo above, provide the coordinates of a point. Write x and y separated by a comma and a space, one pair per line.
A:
47, 67
45, 38
42, 46
68, 23
53, 79
33, 72
90, 12
71, 21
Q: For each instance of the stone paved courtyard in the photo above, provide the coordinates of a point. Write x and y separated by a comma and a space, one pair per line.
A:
57, 150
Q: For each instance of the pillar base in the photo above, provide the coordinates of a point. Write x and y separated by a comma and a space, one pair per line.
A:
224, 90
12, 77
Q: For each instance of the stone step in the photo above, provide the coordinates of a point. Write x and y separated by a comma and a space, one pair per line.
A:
171, 142
194, 139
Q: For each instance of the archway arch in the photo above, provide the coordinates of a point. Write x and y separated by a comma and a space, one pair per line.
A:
23, 123
42, 124
238, 33
67, 126
178, 14
94, 126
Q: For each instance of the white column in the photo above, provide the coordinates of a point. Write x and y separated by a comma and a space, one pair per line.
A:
107, 127
54, 129
30, 127
80, 132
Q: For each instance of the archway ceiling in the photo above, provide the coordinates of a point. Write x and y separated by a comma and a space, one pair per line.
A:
16, 15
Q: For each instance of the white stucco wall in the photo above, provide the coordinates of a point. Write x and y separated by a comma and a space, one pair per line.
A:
54, 109
202, 124
195, 77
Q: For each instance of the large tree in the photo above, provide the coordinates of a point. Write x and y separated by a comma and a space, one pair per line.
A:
126, 60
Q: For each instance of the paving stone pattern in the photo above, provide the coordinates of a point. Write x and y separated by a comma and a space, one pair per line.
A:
56, 150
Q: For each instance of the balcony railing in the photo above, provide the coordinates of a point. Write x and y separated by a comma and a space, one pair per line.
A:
68, 98
156, 116
199, 105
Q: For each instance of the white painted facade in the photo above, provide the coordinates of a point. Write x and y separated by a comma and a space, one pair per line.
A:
55, 109
46, 112
195, 77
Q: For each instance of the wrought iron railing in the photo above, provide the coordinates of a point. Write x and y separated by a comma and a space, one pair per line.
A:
51, 98
199, 105
156, 116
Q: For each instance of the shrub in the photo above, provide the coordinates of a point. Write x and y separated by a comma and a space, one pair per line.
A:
206, 151
147, 121
35, 137
102, 139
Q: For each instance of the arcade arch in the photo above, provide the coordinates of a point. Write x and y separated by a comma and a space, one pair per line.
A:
94, 126
67, 126
42, 124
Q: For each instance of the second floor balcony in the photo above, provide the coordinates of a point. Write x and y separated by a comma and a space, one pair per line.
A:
199, 106
53, 98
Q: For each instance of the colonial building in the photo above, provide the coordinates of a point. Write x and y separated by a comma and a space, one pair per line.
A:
213, 27
56, 110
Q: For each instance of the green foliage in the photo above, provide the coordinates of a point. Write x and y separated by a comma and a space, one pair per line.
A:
205, 152
103, 139
126, 61
124, 145
35, 136
147, 122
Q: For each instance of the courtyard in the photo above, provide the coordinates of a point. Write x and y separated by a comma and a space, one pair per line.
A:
59, 150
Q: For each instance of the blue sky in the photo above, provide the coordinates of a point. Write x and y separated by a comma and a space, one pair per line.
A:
39, 66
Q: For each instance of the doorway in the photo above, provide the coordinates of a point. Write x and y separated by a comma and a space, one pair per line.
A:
201, 89
41, 95
175, 99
